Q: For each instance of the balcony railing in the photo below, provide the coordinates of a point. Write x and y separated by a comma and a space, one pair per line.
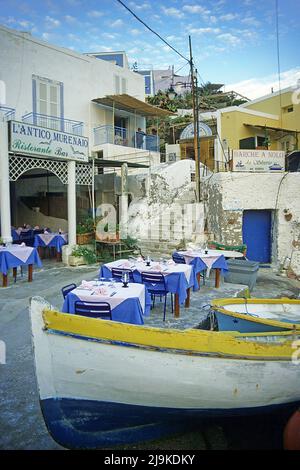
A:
120, 136
6, 113
52, 122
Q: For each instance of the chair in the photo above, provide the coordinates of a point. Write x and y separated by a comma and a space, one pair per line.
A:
177, 258
66, 289
27, 237
93, 309
156, 285
117, 274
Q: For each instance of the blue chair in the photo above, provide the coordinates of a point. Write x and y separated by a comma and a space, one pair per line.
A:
93, 309
156, 285
66, 289
117, 274
27, 237
177, 258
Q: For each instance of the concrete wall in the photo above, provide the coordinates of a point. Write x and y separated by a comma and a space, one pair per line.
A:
227, 195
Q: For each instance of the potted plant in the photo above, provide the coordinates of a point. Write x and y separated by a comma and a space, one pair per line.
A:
85, 231
81, 255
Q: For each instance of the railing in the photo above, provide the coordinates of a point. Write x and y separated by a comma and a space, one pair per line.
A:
7, 113
52, 122
120, 136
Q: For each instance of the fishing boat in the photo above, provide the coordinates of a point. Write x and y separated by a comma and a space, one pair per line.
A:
256, 315
104, 383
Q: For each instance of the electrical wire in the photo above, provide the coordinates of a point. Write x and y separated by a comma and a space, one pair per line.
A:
152, 31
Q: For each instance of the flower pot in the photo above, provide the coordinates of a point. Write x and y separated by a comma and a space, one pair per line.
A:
76, 260
84, 238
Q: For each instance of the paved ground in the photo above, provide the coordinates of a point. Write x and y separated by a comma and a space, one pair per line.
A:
21, 423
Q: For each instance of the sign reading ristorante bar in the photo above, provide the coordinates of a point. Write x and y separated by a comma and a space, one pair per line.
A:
35, 140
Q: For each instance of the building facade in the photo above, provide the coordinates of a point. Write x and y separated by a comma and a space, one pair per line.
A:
54, 126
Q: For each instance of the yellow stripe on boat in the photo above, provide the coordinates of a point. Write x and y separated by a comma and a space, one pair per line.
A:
191, 341
220, 304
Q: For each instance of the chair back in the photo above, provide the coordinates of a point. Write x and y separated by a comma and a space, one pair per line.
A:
27, 237
93, 309
38, 231
117, 274
177, 258
154, 281
66, 289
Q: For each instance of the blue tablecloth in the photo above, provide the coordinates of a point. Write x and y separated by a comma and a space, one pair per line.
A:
175, 282
9, 260
57, 242
199, 264
129, 311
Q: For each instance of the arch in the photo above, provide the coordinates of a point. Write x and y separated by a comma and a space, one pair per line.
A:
19, 165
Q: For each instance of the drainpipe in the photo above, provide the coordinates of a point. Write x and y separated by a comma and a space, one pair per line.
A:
4, 185
72, 203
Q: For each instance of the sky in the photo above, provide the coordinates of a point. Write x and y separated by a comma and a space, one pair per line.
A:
234, 41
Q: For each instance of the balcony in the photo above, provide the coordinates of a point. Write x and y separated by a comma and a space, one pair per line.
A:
52, 122
120, 136
7, 113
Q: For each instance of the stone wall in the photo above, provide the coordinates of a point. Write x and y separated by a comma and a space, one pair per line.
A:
227, 195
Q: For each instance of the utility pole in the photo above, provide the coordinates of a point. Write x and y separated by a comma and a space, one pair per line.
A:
196, 122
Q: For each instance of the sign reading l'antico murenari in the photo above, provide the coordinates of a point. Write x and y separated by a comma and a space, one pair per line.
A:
35, 140
258, 160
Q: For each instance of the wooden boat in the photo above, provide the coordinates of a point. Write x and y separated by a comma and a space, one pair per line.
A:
105, 383
256, 315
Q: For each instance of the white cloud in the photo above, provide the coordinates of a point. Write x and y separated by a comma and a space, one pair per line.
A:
135, 32
116, 23
228, 17
137, 6
109, 36
257, 87
250, 21
204, 31
196, 9
95, 13
229, 39
52, 22
173, 12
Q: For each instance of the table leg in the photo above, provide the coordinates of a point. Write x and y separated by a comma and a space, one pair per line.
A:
176, 306
218, 276
4, 280
15, 274
40, 252
30, 271
188, 298
199, 279
58, 256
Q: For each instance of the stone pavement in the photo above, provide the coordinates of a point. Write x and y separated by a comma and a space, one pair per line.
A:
21, 422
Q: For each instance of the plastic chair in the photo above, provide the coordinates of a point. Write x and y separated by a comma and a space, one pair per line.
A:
177, 258
66, 289
93, 309
156, 285
117, 274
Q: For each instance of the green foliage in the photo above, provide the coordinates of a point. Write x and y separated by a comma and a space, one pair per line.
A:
89, 255
85, 226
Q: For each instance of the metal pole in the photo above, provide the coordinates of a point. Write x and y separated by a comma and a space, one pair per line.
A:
195, 123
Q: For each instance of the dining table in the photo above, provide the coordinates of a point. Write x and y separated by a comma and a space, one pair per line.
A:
51, 240
179, 278
128, 304
13, 256
205, 260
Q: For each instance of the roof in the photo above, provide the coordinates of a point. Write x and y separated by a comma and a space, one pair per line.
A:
103, 163
129, 103
271, 128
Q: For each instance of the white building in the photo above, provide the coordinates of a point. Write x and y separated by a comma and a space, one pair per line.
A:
59, 109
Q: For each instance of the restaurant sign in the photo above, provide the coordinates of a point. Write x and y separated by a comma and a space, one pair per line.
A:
258, 160
34, 140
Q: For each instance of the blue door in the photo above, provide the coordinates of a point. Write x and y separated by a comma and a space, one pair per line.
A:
257, 235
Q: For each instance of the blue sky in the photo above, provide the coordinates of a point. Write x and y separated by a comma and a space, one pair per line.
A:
234, 41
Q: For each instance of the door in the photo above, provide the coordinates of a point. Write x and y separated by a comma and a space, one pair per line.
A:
257, 235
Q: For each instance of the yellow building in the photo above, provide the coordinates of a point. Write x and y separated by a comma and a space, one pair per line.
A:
271, 122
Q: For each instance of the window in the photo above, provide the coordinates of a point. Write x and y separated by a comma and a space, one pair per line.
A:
120, 85
48, 101
288, 109
117, 84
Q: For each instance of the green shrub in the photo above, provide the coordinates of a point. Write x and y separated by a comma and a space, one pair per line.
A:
89, 255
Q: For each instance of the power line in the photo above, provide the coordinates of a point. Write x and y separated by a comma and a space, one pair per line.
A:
152, 31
